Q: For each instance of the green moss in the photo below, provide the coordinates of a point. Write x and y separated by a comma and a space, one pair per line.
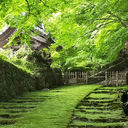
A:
103, 96
110, 115
55, 111
100, 125
14, 81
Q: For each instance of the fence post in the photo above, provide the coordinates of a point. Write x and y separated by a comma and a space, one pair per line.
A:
110, 77
82, 77
106, 78
125, 77
113, 78
66, 77
117, 78
86, 77
76, 76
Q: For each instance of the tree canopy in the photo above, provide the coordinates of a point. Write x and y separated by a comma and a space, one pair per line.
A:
91, 33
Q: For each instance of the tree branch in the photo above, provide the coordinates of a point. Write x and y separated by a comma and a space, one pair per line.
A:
44, 3
47, 5
119, 19
103, 71
105, 19
28, 7
98, 27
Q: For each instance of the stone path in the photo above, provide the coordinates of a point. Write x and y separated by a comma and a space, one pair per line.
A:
102, 108
11, 110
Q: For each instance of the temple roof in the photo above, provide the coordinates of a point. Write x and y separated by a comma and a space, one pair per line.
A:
4, 37
42, 40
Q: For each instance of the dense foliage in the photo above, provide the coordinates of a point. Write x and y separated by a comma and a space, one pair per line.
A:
89, 33
25, 72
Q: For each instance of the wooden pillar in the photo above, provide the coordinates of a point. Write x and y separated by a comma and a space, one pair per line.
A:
71, 75
106, 78
68, 74
76, 76
86, 77
66, 78
121, 78
124, 78
110, 78
82, 77
113, 78
117, 78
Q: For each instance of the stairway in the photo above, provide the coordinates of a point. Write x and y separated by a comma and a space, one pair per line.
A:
100, 109
96, 78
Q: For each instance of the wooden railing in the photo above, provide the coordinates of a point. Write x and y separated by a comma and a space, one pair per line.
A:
116, 78
106, 78
77, 77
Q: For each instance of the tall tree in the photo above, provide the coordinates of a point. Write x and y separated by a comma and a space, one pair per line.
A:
90, 32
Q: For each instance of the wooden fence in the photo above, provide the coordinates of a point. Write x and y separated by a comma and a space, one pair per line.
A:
76, 77
106, 78
116, 78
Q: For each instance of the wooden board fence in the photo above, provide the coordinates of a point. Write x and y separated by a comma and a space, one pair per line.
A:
116, 78
75, 77
106, 78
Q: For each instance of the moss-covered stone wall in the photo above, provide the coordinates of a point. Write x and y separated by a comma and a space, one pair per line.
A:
48, 78
15, 81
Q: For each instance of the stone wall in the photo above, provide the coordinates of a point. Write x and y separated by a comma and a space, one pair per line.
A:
15, 81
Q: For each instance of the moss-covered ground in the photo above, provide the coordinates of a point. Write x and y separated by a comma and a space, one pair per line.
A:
43, 109
102, 108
